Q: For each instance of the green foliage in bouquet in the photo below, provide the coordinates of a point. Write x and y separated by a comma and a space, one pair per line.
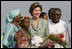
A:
57, 39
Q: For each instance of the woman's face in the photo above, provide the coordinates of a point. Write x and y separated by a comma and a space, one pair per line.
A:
18, 18
36, 12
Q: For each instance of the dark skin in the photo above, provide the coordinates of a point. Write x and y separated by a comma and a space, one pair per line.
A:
55, 19
15, 22
50, 12
18, 17
56, 16
45, 17
24, 23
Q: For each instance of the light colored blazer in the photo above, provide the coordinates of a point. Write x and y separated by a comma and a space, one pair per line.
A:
42, 30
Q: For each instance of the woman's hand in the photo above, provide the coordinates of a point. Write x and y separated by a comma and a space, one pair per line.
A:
49, 42
43, 45
16, 35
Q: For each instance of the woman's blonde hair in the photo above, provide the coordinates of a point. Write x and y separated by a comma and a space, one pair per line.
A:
33, 6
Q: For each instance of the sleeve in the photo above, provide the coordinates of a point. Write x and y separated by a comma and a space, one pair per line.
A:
65, 30
67, 37
47, 28
7, 33
29, 33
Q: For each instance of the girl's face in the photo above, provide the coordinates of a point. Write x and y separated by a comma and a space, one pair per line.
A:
45, 17
36, 12
26, 23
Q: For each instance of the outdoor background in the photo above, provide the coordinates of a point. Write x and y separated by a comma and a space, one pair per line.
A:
6, 6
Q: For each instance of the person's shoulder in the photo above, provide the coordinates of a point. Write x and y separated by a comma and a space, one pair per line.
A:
63, 22
69, 24
31, 20
10, 25
42, 20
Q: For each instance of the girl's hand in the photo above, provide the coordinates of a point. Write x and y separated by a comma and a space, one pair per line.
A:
16, 35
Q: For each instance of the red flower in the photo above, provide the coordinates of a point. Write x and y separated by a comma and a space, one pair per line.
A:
61, 35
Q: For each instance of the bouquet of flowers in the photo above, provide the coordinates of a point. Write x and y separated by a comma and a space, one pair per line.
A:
58, 38
37, 42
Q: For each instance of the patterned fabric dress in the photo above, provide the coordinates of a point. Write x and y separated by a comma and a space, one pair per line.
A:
24, 44
23, 33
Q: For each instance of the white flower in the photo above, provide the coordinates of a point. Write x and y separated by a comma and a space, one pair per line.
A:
36, 41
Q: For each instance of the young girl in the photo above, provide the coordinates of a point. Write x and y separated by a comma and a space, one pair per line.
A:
23, 38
